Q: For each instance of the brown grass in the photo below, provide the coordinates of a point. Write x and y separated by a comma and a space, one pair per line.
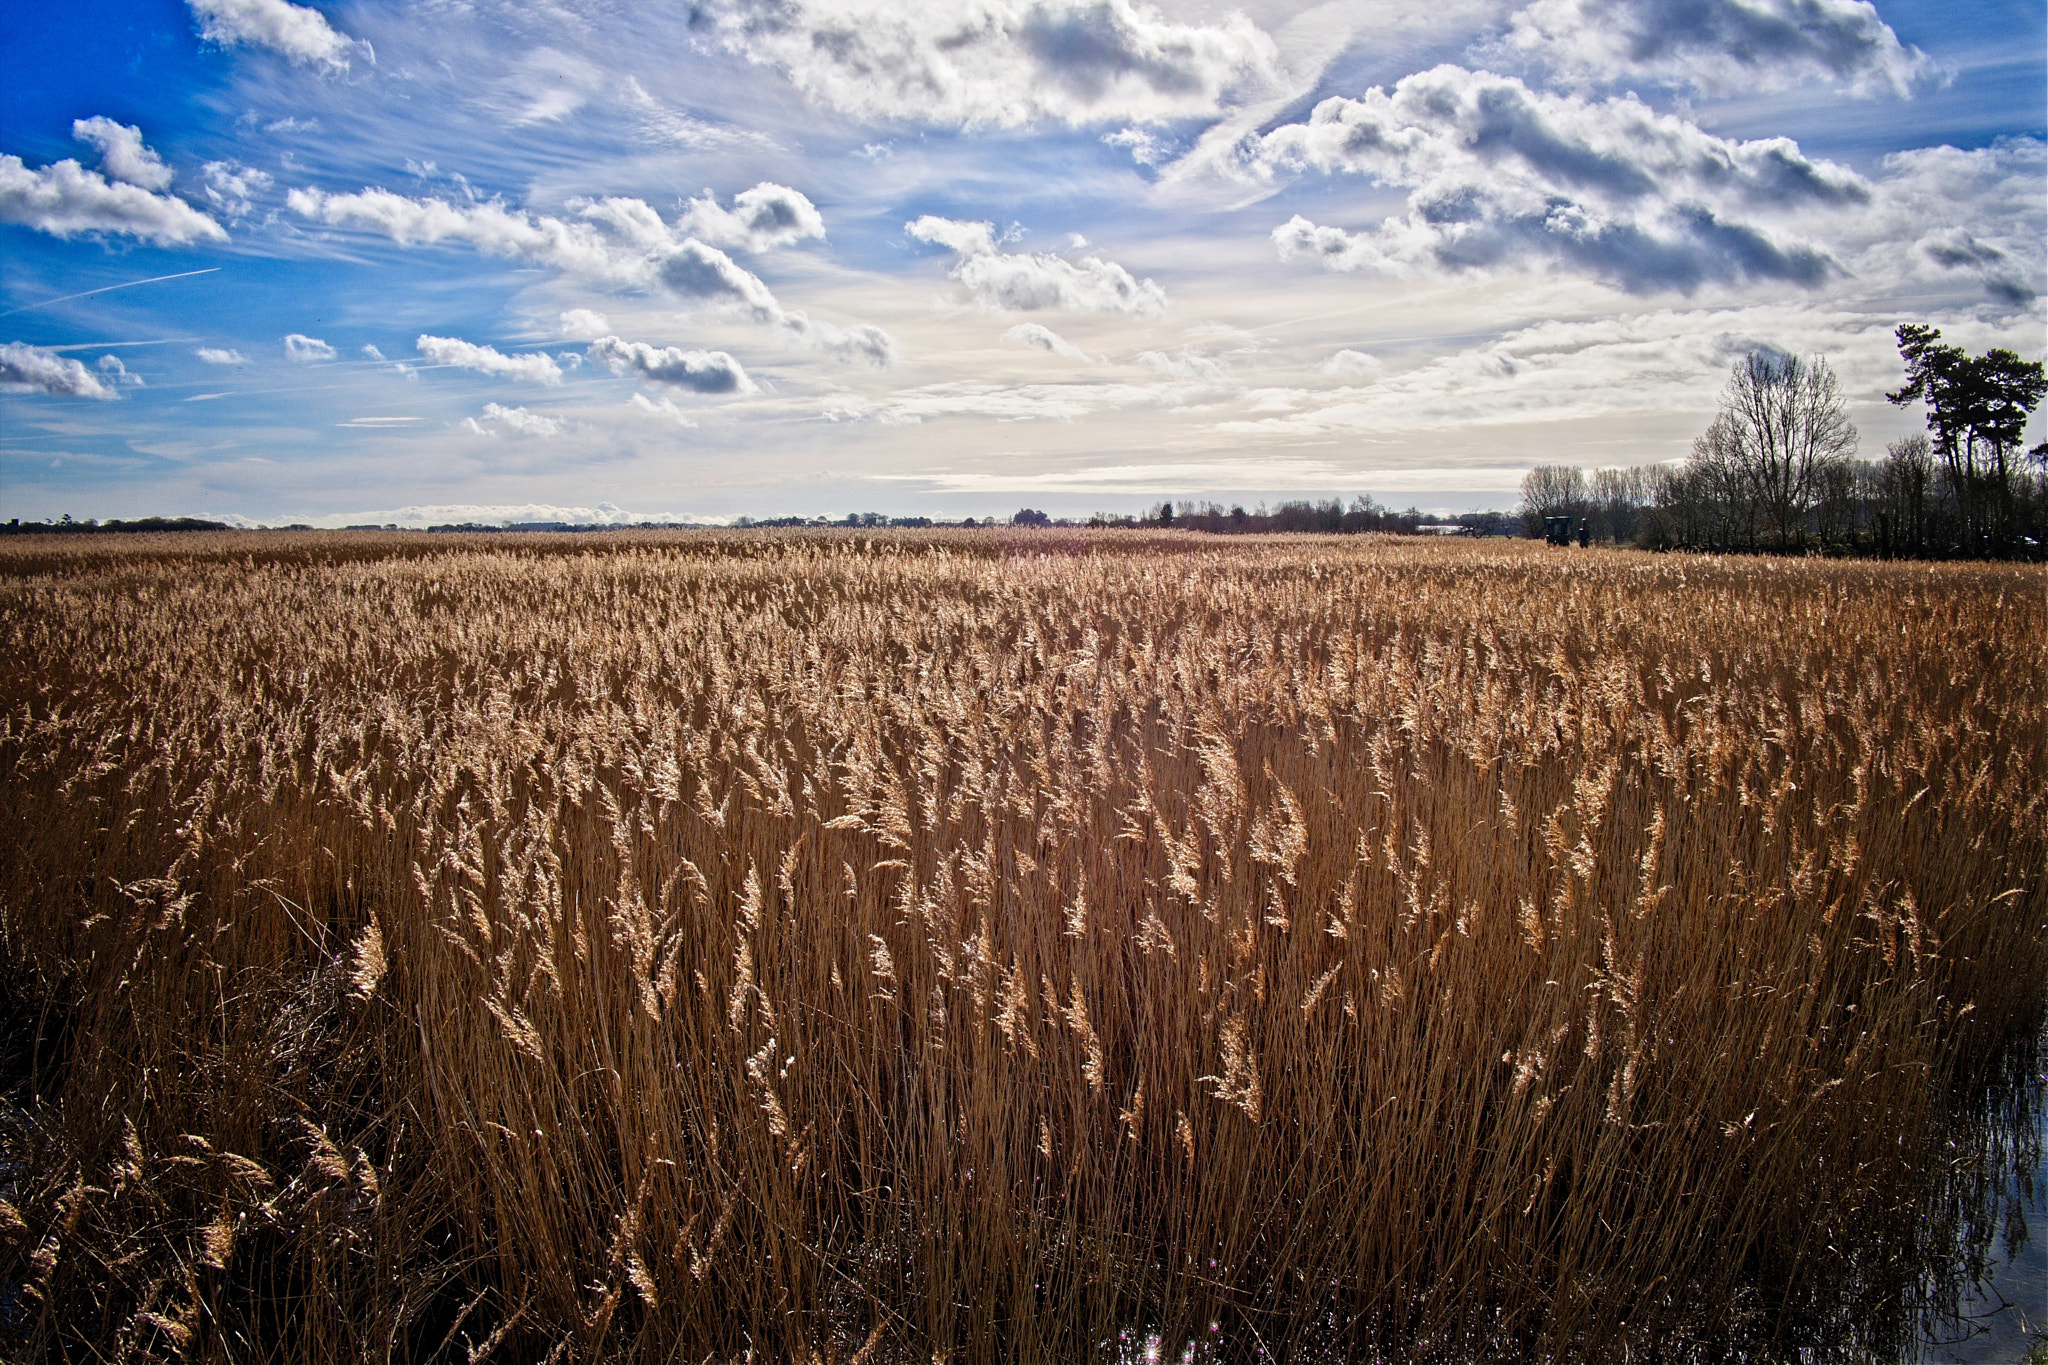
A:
977, 946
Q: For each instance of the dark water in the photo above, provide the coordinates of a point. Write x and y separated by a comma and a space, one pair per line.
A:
2005, 1314
2000, 1229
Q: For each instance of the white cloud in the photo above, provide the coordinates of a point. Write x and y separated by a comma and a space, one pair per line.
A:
1146, 148
518, 421
760, 219
31, 369
122, 155
488, 227
1350, 364
1720, 46
64, 199
1663, 362
296, 32
1502, 175
117, 373
696, 371
231, 188
214, 355
619, 241
1182, 365
507, 514
304, 350
960, 238
581, 324
1941, 216
1042, 338
666, 410
1175, 477
696, 271
1016, 402
706, 274
1007, 62
370, 352
1023, 282
533, 367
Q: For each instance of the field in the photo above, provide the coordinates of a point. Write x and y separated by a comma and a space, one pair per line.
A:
983, 946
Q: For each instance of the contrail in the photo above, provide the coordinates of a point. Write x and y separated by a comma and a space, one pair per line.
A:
157, 279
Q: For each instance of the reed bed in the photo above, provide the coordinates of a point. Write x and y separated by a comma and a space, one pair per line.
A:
977, 946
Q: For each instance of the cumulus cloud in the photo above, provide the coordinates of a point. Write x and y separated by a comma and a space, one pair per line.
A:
1042, 338
1182, 365
1974, 216
1350, 364
665, 410
215, 355
1007, 62
489, 227
704, 273
1146, 148
300, 34
695, 371
533, 367
117, 373
707, 275
760, 219
64, 199
122, 155
1500, 174
581, 324
1720, 46
518, 421
301, 349
370, 352
957, 236
231, 188
1026, 282
32, 369
618, 241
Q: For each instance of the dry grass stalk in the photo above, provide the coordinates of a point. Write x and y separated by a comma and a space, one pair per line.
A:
978, 946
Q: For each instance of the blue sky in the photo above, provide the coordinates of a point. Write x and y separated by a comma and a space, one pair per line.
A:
466, 260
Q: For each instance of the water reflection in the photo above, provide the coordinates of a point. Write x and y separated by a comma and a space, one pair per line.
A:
1986, 1303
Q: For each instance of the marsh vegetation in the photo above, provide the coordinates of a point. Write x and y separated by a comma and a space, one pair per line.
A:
985, 946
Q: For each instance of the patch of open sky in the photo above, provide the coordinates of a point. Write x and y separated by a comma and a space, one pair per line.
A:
136, 61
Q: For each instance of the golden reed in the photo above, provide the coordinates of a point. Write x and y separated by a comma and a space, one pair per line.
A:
989, 946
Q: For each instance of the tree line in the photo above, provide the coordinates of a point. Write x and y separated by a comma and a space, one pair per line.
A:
1777, 469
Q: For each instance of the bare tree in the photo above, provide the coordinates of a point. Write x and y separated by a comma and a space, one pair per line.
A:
1783, 424
1618, 496
1903, 483
1552, 490
1716, 501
